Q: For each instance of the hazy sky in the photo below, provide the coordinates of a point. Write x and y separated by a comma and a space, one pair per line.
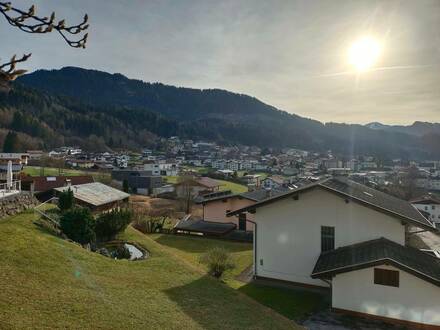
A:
290, 54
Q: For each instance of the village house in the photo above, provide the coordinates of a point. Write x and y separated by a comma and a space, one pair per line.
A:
35, 154
347, 237
430, 205
16, 161
196, 187
81, 163
275, 182
217, 205
42, 186
142, 182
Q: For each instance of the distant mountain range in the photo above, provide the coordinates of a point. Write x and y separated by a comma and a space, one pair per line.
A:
418, 128
89, 106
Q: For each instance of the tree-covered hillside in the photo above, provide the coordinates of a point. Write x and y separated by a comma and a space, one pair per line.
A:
100, 109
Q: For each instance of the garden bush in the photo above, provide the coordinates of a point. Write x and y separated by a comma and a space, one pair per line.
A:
218, 260
78, 225
109, 225
65, 200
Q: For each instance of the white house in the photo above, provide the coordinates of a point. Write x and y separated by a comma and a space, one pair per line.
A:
340, 234
153, 167
431, 183
430, 205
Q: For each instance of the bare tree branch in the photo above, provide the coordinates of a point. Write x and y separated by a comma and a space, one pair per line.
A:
29, 22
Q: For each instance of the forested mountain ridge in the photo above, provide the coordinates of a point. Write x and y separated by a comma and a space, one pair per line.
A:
121, 108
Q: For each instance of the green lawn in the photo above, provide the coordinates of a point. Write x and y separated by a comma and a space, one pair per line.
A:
47, 282
171, 179
51, 171
236, 188
224, 185
294, 303
190, 248
198, 169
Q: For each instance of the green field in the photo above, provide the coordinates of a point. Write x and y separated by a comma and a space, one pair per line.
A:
236, 188
47, 282
295, 303
51, 171
224, 185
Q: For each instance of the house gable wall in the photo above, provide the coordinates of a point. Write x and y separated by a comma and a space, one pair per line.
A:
414, 300
216, 210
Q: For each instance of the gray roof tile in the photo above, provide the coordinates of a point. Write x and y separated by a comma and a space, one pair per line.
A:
374, 252
352, 190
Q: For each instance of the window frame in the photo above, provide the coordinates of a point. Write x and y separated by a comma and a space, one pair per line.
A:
328, 235
386, 277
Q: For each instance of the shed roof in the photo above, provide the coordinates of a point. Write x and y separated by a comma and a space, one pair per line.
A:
255, 195
205, 227
208, 182
202, 181
95, 193
377, 252
427, 199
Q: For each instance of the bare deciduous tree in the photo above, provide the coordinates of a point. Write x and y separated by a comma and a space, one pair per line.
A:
29, 22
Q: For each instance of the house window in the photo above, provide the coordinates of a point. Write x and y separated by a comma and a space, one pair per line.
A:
327, 238
386, 277
426, 208
433, 207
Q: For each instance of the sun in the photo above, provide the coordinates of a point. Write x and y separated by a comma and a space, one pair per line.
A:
364, 53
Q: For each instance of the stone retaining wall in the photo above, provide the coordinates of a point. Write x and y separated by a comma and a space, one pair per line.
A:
14, 204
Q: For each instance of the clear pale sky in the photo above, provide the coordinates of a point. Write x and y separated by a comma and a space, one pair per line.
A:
290, 54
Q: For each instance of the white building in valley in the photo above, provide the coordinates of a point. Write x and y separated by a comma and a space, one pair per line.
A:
430, 205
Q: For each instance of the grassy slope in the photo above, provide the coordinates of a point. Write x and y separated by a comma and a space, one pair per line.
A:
292, 303
49, 282
191, 248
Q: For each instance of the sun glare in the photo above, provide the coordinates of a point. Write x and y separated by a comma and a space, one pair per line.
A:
363, 54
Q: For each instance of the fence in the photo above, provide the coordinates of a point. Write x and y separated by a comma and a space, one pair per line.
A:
13, 189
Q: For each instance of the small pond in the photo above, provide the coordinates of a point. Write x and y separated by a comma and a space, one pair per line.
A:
123, 250
135, 253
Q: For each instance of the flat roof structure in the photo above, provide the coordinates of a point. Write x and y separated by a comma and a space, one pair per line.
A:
95, 193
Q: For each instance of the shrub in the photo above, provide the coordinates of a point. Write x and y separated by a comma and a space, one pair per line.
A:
152, 220
78, 224
110, 224
66, 200
218, 260
149, 225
